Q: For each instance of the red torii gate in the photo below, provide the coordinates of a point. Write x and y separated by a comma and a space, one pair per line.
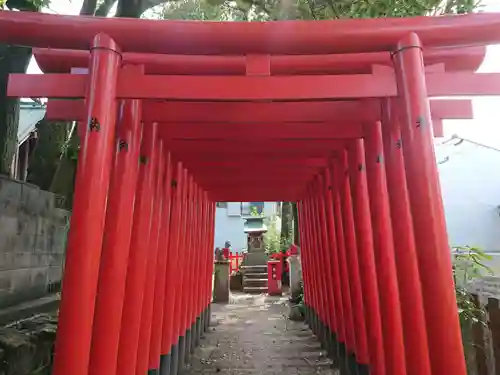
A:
352, 145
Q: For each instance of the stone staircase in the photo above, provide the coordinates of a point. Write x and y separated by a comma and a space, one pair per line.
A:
254, 279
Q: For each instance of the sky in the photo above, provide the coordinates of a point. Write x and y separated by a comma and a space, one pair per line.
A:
484, 128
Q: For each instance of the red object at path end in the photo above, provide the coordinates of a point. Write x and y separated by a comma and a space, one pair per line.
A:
225, 252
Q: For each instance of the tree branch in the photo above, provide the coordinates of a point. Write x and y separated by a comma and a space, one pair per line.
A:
148, 4
104, 9
311, 8
88, 8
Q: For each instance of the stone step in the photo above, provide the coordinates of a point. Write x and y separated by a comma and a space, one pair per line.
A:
256, 282
256, 275
255, 290
254, 269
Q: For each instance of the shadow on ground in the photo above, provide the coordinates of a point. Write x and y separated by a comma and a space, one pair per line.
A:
252, 335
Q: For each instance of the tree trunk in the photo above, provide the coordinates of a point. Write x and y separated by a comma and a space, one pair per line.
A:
296, 238
46, 154
52, 165
13, 59
286, 223
129, 8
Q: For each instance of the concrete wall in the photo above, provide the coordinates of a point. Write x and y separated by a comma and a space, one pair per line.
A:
470, 184
229, 228
32, 241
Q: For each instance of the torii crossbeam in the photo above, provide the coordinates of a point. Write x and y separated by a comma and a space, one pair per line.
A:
334, 115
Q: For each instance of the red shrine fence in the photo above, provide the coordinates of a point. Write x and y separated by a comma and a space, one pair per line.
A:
335, 115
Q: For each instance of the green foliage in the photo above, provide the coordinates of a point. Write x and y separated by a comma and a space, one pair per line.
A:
26, 5
341, 9
200, 10
273, 241
272, 236
254, 212
265, 10
287, 224
469, 265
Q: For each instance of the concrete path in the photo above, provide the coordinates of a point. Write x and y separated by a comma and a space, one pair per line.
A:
252, 336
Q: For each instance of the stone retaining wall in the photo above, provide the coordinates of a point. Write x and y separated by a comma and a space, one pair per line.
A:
32, 242
27, 347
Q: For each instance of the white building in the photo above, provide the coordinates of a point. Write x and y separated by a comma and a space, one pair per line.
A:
229, 221
470, 184
29, 115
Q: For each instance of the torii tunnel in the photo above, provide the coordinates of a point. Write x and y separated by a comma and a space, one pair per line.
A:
333, 115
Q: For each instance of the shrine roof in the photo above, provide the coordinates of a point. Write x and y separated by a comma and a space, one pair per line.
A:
254, 224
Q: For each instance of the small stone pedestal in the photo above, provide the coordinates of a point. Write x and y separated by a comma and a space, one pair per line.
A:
295, 274
221, 281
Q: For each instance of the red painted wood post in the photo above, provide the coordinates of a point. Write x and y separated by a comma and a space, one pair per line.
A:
206, 281
316, 308
231, 257
334, 269
414, 328
187, 276
192, 275
385, 260
308, 268
200, 256
209, 246
318, 277
443, 329
309, 252
205, 259
178, 192
346, 330
116, 245
179, 289
304, 257
308, 263
211, 206
183, 294
161, 275
359, 355
138, 255
81, 271
152, 264
366, 258
197, 270
320, 261
325, 248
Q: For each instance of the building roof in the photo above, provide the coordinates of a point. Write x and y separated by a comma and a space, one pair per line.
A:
30, 113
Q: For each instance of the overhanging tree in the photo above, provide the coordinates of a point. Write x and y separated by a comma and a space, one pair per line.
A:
338, 9
15, 59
